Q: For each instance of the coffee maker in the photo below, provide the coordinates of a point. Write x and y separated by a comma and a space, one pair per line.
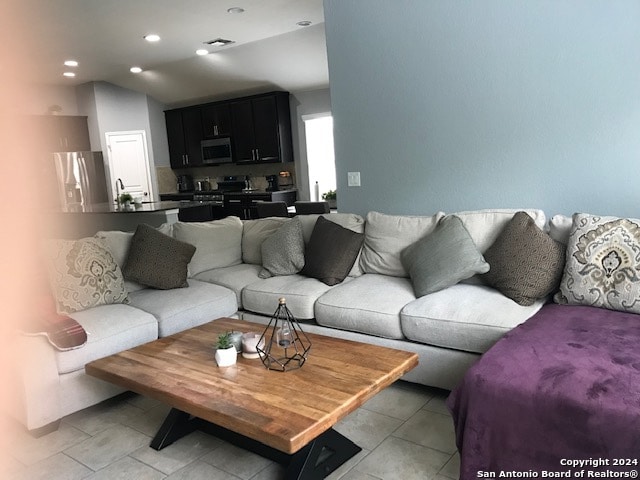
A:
272, 181
185, 183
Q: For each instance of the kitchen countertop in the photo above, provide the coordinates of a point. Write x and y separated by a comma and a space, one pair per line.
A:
148, 207
238, 192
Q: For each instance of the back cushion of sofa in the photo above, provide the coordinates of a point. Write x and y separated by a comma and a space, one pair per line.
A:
218, 243
118, 244
484, 226
254, 232
352, 221
386, 236
560, 228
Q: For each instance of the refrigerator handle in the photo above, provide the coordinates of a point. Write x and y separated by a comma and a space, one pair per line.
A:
85, 184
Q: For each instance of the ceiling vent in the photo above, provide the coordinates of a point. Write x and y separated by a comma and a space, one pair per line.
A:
219, 42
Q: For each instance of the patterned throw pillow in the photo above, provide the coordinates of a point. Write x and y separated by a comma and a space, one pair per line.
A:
603, 264
83, 274
158, 260
283, 251
526, 263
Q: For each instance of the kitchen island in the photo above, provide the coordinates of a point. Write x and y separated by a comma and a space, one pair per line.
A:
77, 221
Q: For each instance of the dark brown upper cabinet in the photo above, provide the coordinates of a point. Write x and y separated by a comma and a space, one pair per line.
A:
216, 120
184, 134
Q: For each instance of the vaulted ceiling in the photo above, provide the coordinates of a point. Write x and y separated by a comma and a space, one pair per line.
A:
105, 37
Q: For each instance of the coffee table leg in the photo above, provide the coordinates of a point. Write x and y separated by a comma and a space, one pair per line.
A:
321, 456
175, 426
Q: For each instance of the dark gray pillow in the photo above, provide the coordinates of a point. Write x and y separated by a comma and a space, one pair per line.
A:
331, 252
157, 260
526, 263
283, 251
443, 258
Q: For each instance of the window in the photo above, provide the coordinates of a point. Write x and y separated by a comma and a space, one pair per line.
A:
320, 156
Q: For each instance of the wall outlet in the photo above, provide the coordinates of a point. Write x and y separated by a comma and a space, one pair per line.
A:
353, 179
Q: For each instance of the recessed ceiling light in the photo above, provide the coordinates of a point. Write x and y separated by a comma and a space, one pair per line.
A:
69, 74
152, 37
303, 23
71, 63
219, 42
235, 10
202, 51
135, 70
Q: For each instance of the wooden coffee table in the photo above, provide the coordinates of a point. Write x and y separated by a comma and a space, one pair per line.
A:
285, 416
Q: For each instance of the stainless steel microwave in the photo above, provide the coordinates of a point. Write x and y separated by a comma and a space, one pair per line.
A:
216, 151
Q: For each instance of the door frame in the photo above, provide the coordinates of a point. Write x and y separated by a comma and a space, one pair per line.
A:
147, 165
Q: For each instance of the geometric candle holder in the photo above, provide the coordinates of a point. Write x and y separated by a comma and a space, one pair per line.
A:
283, 345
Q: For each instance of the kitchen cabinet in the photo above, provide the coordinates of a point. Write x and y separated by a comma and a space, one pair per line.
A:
184, 134
63, 133
243, 205
216, 120
261, 128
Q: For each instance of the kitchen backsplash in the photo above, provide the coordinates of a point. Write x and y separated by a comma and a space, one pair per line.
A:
167, 181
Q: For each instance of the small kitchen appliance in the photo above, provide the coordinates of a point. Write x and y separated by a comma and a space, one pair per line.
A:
272, 183
185, 183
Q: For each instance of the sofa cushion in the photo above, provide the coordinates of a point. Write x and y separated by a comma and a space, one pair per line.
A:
301, 294
368, 304
110, 329
283, 251
442, 258
254, 233
157, 260
526, 263
83, 274
235, 277
331, 252
463, 317
177, 310
484, 226
560, 228
351, 221
385, 236
218, 243
603, 263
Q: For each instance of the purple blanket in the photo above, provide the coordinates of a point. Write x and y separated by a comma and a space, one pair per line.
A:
563, 385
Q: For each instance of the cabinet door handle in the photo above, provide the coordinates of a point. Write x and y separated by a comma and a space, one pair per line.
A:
215, 130
257, 154
186, 159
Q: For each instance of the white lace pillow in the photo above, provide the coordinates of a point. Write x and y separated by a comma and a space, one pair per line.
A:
602, 264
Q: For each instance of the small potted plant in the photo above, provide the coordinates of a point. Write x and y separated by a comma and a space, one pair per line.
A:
125, 199
330, 197
226, 353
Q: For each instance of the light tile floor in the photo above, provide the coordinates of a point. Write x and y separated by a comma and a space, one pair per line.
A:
405, 432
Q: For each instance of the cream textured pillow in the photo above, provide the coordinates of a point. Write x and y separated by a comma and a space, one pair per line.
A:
83, 274
602, 267
283, 252
218, 243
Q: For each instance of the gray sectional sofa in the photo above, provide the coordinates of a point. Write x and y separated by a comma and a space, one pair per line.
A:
376, 303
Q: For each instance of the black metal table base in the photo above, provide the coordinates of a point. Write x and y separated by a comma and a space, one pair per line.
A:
314, 461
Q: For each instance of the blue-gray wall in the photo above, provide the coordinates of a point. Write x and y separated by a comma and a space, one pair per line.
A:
453, 105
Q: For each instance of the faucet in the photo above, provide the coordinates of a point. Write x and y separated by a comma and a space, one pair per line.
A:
118, 180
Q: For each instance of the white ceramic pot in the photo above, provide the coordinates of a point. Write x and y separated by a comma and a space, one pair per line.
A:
226, 357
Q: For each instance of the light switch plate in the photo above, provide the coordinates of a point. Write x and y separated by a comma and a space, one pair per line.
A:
353, 179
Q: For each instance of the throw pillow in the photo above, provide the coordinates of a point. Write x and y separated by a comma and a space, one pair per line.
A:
83, 274
157, 260
602, 268
283, 252
331, 252
526, 263
443, 258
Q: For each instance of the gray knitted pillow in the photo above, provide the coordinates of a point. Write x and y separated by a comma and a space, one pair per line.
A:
283, 252
157, 260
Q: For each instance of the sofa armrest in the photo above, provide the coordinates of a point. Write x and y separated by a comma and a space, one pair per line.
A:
35, 382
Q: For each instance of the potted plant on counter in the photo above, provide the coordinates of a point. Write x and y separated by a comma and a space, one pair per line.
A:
226, 353
330, 197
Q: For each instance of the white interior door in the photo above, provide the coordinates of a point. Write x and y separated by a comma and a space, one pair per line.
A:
129, 161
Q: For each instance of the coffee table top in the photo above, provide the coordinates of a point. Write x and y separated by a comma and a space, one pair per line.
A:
284, 410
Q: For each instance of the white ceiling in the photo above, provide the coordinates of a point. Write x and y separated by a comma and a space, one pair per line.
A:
106, 38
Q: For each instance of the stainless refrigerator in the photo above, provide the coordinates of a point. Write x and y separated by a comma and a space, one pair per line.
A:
80, 179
